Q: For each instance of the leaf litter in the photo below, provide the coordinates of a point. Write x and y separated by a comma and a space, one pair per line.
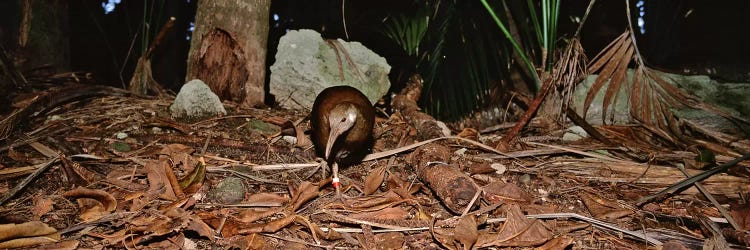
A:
156, 192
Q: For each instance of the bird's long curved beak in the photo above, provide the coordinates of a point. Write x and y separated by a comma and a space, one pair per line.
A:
335, 133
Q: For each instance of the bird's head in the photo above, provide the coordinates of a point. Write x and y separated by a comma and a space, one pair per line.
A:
340, 119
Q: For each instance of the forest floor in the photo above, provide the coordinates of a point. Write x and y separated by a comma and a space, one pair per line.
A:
118, 172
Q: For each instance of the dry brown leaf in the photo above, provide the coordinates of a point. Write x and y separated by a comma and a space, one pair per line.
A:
42, 206
741, 214
94, 203
29, 241
559, 243
158, 181
269, 227
106, 199
391, 213
172, 243
466, 231
603, 209
618, 80
372, 202
175, 150
516, 231
374, 180
20, 170
606, 54
303, 193
267, 199
197, 225
252, 241
27, 229
469, 133
303, 141
77, 174
171, 178
113, 238
390, 240
63, 245
508, 192
611, 64
253, 214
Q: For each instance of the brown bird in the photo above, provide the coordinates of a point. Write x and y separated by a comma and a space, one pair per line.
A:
341, 119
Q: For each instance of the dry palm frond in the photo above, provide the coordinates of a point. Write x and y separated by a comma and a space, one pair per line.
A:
650, 97
569, 70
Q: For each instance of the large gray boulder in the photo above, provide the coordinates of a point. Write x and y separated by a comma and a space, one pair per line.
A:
306, 64
729, 97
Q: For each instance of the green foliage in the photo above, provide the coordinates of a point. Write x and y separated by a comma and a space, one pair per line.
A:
408, 31
456, 56
538, 39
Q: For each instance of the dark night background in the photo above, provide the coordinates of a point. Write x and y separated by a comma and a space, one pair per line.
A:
680, 34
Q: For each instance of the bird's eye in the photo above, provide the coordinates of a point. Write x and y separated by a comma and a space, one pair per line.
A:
343, 119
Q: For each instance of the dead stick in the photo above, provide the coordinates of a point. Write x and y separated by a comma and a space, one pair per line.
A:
26, 181
691, 180
505, 143
159, 37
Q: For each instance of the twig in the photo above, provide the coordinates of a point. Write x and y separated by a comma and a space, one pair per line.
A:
255, 178
713, 200
267, 167
41, 168
593, 221
598, 156
691, 180
379, 155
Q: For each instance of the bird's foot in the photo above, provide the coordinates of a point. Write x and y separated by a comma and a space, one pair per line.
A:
340, 196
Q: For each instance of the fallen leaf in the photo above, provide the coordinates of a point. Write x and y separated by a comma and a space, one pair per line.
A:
253, 214
517, 231
505, 192
603, 209
390, 213
62, 245
303, 193
375, 179
27, 234
107, 200
158, 181
466, 231
559, 243
42, 206
197, 225
267, 199
390, 240
27, 229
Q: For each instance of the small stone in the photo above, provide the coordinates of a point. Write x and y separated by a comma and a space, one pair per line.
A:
499, 168
121, 135
460, 151
196, 101
228, 191
525, 179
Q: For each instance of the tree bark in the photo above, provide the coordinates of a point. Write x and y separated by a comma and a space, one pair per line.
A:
35, 33
228, 50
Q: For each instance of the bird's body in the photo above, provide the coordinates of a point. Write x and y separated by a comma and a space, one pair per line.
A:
342, 119
341, 103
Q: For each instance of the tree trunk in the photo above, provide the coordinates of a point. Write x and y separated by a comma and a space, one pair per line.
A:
228, 50
35, 33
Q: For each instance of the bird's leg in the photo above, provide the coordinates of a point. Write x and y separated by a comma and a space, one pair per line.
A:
337, 184
323, 168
